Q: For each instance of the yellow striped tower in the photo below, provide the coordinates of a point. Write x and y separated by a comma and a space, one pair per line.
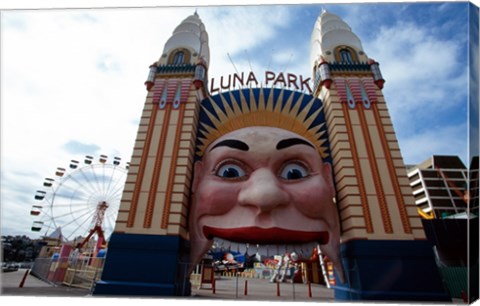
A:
148, 251
384, 249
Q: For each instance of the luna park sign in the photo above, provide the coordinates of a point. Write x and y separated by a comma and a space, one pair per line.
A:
271, 79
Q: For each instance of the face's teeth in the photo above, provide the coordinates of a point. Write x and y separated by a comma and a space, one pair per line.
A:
301, 251
304, 251
264, 250
290, 248
252, 250
222, 244
241, 248
219, 243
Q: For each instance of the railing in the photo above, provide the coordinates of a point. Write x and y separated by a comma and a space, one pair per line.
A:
262, 283
41, 267
79, 272
183, 68
259, 282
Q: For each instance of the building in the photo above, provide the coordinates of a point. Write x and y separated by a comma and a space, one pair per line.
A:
473, 186
151, 227
373, 189
379, 216
446, 193
382, 236
440, 186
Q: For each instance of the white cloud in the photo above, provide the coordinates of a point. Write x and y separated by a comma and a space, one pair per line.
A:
75, 78
443, 140
68, 77
236, 32
474, 84
412, 61
424, 85
236, 29
283, 58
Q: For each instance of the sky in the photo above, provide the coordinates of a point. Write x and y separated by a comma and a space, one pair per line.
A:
72, 80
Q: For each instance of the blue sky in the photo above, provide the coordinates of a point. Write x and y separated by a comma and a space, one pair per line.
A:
72, 79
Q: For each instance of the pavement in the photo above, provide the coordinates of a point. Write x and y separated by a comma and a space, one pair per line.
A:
227, 288
233, 288
33, 286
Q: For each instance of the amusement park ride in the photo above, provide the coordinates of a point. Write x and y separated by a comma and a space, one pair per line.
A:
79, 206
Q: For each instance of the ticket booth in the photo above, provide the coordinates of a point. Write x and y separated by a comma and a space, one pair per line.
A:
208, 273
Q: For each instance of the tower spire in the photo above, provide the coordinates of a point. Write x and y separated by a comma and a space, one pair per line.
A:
331, 34
154, 204
377, 207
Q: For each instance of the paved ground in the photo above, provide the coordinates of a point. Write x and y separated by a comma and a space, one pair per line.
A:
262, 290
227, 288
10, 282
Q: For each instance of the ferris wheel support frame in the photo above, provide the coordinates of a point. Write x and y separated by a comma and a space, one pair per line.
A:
98, 220
68, 184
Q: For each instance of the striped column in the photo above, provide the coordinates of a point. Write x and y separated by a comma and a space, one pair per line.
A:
155, 198
373, 193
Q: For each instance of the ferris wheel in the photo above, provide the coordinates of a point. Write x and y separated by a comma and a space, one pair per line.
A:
81, 200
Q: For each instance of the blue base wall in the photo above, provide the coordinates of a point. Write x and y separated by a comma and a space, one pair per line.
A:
145, 265
389, 270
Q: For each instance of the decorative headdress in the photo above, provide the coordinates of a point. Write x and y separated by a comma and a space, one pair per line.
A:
290, 110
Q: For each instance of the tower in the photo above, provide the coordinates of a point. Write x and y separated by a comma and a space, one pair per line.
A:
384, 249
148, 251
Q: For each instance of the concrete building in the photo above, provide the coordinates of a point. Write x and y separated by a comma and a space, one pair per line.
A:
382, 237
440, 186
446, 194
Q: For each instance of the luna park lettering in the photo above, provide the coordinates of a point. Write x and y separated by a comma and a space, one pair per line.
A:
272, 79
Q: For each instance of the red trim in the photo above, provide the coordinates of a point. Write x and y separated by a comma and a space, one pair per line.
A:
152, 194
141, 168
392, 171
380, 83
358, 171
149, 85
376, 176
173, 166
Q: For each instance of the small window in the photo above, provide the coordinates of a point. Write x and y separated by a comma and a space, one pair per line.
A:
346, 56
179, 58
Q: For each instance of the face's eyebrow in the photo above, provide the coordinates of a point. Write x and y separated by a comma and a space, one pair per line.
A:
232, 143
285, 143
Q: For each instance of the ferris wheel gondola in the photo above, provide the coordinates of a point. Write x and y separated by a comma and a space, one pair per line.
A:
83, 198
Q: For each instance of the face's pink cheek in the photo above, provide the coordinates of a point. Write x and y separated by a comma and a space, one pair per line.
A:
311, 197
215, 197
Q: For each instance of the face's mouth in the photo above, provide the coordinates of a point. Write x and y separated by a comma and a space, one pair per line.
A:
257, 235
266, 241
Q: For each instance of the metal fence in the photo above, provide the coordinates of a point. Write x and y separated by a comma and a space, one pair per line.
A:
306, 281
258, 282
77, 272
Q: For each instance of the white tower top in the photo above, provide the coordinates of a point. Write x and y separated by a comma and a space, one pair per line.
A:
189, 37
330, 35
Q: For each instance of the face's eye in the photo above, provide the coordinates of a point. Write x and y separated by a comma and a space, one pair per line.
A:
230, 171
294, 171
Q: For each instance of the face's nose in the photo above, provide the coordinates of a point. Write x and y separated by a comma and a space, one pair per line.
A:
262, 191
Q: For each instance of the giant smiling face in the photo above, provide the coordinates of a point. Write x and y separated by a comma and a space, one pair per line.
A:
264, 186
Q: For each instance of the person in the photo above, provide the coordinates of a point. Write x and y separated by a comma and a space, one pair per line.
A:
265, 185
